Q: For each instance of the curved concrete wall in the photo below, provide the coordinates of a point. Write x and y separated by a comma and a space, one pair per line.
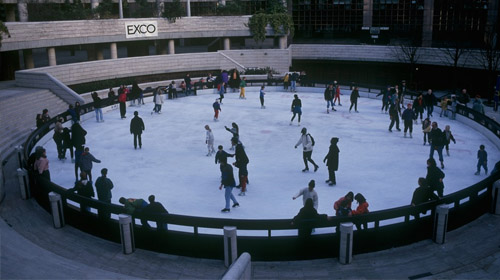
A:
77, 73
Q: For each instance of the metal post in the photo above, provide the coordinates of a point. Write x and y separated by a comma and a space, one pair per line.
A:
440, 224
22, 175
230, 246
120, 8
57, 209
495, 201
127, 233
20, 156
345, 248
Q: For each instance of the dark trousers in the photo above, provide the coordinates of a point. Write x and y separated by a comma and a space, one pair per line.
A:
262, 101
355, 104
331, 175
408, 125
394, 120
104, 214
123, 109
137, 136
306, 156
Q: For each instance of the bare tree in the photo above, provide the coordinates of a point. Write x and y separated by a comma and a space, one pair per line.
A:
408, 54
455, 54
489, 58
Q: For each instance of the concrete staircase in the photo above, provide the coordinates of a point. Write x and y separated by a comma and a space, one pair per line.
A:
18, 110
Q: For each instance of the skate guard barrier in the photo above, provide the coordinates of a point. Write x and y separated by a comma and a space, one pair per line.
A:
263, 239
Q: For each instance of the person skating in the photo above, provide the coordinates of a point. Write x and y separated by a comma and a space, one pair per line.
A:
136, 128
217, 109
158, 100
209, 140
354, 99
482, 160
221, 155
429, 100
423, 193
241, 163
408, 116
307, 143
385, 98
103, 186
332, 161
337, 93
328, 95
243, 85
261, 97
435, 177
221, 92
296, 108
122, 99
78, 140
449, 138
418, 107
308, 193
437, 140
235, 131
394, 115
227, 181
426, 128
84, 188
86, 160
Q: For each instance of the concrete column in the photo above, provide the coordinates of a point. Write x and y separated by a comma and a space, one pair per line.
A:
188, 8
10, 13
427, 23
283, 42
227, 44
367, 13
22, 8
113, 50
24, 186
99, 55
127, 233
51, 53
230, 246
171, 47
161, 47
440, 224
495, 202
28, 59
345, 248
120, 8
57, 209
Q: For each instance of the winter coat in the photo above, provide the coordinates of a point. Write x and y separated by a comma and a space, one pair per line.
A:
482, 156
216, 106
433, 176
240, 156
210, 137
477, 105
137, 125
225, 77
158, 99
332, 158
66, 137
221, 156
136, 205
306, 194
97, 101
122, 98
305, 220
422, 194
306, 142
296, 104
227, 177
408, 115
449, 137
78, 136
233, 131
329, 93
41, 165
338, 203
103, 185
393, 111
436, 137
361, 209
429, 99
418, 105
83, 189
354, 95
86, 160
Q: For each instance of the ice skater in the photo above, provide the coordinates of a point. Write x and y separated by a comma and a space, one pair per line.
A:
209, 140
235, 131
221, 155
308, 193
354, 99
221, 92
307, 143
227, 181
394, 115
296, 108
328, 95
243, 84
261, 97
337, 93
408, 116
241, 163
332, 161
482, 160
435, 177
136, 128
449, 138
437, 140
157, 100
217, 109
86, 160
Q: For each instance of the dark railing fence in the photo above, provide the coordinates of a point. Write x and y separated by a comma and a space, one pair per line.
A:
386, 228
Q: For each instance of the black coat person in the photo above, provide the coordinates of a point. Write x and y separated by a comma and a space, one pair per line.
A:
241, 163
78, 140
136, 128
332, 160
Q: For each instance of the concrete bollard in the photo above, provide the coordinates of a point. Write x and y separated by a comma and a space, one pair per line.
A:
22, 175
127, 233
495, 203
345, 248
20, 156
440, 224
241, 269
230, 246
57, 209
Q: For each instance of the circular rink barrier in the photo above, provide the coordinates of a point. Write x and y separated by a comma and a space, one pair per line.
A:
465, 206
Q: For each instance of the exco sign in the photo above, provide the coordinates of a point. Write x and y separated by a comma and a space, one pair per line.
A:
140, 29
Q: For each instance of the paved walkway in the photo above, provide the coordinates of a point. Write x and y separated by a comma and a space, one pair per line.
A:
32, 249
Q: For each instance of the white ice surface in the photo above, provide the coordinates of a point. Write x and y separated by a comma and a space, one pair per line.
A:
383, 166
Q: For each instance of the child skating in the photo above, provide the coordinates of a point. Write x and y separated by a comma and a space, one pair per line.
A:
243, 84
482, 160
261, 96
217, 108
209, 141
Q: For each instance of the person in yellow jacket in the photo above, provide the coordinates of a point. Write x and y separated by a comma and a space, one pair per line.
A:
243, 84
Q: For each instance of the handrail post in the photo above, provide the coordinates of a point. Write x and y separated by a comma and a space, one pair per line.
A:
127, 233
230, 246
440, 224
345, 248
20, 155
495, 199
24, 186
57, 209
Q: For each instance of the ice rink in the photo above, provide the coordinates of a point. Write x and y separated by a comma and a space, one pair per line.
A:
173, 165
